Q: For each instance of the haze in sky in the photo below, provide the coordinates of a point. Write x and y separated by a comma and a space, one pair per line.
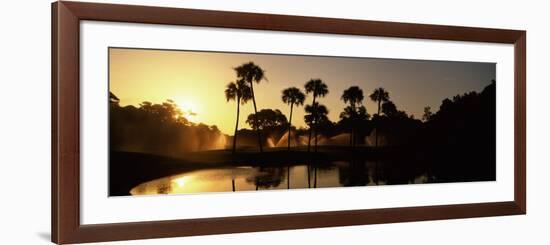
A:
196, 81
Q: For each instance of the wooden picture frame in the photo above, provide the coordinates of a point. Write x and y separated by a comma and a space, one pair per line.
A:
66, 225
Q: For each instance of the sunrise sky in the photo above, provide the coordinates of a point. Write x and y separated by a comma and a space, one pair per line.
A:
196, 81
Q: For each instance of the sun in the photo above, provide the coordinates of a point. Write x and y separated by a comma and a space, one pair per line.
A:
180, 181
190, 109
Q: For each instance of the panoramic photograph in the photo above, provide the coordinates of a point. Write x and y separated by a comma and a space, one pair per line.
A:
186, 122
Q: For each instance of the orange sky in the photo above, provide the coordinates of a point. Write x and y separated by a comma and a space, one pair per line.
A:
196, 81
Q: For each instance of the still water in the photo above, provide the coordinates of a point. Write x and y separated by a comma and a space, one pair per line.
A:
248, 178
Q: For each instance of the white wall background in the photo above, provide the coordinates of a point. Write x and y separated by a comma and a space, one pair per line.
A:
25, 121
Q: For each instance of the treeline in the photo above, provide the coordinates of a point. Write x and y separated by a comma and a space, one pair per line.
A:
242, 91
160, 129
355, 124
462, 135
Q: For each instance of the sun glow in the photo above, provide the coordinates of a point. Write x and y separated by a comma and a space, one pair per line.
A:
189, 109
180, 181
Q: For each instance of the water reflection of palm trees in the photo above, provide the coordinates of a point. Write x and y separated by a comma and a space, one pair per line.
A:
288, 177
353, 174
268, 177
315, 177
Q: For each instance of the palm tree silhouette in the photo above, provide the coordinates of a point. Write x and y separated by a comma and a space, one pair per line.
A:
354, 96
240, 92
292, 96
379, 95
319, 89
250, 73
316, 113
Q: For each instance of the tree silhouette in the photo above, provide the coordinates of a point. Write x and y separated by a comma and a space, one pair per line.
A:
379, 95
316, 114
240, 92
251, 73
354, 96
389, 109
266, 118
351, 118
427, 114
292, 96
319, 89
160, 129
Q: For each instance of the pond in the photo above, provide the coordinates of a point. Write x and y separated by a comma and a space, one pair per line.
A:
293, 176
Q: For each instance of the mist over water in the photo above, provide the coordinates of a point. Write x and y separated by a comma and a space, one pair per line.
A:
270, 142
341, 139
153, 129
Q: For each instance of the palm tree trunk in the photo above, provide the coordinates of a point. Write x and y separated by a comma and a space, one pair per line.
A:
290, 124
256, 117
315, 136
376, 126
310, 126
236, 125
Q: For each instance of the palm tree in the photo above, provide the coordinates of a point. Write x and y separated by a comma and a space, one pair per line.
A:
316, 113
319, 89
250, 73
353, 95
292, 96
379, 95
241, 93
